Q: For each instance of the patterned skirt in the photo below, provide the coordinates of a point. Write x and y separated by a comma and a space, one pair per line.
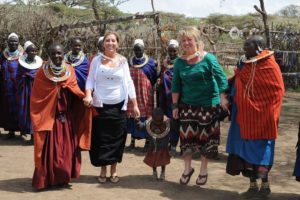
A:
199, 129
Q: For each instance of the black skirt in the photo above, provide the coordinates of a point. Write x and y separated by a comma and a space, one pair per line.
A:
108, 135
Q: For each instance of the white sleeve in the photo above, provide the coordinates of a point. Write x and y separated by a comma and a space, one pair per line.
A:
131, 88
89, 85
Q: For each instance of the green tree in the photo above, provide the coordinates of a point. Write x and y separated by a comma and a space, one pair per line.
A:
290, 11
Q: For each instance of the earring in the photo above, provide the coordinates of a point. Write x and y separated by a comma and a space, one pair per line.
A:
259, 49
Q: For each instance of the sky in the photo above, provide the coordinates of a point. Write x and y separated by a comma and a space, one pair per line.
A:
203, 8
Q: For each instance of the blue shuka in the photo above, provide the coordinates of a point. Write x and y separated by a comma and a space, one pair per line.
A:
257, 152
9, 106
81, 71
25, 79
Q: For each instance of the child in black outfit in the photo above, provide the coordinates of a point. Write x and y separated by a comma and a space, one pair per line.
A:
158, 128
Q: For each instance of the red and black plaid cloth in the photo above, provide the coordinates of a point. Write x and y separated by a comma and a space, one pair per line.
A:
144, 93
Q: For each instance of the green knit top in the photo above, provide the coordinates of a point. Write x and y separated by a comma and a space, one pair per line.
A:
199, 84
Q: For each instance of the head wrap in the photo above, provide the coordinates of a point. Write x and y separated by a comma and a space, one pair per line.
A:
27, 44
174, 43
12, 35
100, 39
139, 41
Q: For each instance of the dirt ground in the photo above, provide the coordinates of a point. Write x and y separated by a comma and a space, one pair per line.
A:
16, 164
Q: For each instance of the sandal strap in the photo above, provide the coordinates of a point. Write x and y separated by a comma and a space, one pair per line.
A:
203, 176
114, 179
265, 185
187, 177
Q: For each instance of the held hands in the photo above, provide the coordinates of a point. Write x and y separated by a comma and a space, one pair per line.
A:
175, 113
88, 101
224, 101
136, 112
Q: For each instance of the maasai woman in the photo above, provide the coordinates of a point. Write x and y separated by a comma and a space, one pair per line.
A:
144, 75
297, 164
28, 66
108, 89
60, 122
79, 61
257, 96
165, 95
9, 61
198, 95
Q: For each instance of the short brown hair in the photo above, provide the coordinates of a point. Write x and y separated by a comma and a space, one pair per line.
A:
112, 33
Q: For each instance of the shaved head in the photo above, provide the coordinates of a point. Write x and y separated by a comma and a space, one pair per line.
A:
56, 53
55, 46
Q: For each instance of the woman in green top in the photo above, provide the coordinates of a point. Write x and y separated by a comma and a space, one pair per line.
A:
198, 98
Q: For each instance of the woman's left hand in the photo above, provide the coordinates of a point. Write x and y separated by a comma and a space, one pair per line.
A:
136, 111
224, 101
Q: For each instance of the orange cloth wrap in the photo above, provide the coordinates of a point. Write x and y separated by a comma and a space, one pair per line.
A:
259, 92
43, 104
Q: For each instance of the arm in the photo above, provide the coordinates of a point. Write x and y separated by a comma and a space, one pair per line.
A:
221, 80
219, 74
89, 86
131, 88
176, 88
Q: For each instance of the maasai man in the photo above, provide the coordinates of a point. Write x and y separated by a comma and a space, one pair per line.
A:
79, 61
29, 63
257, 93
60, 122
144, 75
9, 61
165, 95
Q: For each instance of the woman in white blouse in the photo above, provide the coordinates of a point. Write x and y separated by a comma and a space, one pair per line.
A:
108, 87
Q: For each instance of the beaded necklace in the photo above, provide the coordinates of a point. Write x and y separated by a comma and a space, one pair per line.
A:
114, 60
140, 65
36, 63
61, 73
11, 55
69, 57
156, 133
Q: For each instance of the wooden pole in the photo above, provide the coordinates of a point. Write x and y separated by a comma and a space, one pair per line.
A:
264, 14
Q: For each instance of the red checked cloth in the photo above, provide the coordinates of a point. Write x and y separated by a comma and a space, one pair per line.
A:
144, 93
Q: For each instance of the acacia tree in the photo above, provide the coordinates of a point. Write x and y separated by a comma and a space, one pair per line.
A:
290, 11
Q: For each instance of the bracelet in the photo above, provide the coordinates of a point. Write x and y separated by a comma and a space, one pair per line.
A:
174, 105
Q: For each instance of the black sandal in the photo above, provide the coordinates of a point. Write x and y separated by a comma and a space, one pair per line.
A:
188, 176
114, 179
102, 179
201, 177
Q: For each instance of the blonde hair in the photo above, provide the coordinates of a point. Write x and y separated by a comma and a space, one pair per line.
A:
191, 31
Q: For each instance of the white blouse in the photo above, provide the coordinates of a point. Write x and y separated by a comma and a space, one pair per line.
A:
110, 85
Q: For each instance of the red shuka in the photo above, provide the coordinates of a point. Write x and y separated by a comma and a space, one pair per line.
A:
259, 92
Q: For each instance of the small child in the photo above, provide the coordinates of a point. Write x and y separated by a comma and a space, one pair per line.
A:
158, 128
